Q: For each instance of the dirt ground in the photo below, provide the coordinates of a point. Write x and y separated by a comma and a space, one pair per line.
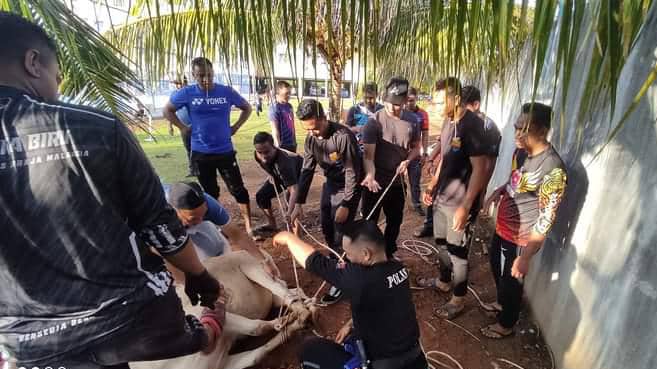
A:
526, 348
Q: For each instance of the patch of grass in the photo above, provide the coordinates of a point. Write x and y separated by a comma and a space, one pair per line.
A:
168, 156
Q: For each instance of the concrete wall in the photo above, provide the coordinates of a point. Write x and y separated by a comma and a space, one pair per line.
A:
593, 287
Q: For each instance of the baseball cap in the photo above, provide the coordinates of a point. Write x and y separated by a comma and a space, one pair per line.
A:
396, 90
186, 195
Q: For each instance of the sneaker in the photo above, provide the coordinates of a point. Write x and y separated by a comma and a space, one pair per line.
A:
332, 296
423, 232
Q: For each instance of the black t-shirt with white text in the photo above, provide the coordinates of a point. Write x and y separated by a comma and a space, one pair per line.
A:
381, 303
81, 208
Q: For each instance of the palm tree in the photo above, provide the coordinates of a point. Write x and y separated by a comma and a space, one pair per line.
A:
420, 38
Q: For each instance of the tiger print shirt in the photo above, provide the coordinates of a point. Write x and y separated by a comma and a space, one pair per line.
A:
532, 195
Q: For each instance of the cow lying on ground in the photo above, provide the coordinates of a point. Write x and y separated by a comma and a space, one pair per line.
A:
250, 295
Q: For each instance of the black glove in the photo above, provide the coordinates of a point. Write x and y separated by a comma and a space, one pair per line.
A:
204, 287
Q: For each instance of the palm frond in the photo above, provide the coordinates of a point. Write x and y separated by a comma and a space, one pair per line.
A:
93, 71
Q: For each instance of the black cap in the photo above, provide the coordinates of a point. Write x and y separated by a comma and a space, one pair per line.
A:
186, 195
396, 90
310, 108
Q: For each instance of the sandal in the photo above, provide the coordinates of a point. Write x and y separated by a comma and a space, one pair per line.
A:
449, 311
422, 283
491, 309
492, 332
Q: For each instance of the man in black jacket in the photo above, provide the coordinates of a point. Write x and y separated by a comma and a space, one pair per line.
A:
82, 210
334, 148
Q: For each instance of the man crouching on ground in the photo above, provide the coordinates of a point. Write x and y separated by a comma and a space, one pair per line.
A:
383, 320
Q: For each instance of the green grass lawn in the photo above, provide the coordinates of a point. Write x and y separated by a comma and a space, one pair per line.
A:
168, 156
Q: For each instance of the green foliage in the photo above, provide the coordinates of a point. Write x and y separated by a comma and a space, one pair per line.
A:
92, 68
421, 39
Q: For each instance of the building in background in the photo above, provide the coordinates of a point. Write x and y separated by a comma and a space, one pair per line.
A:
306, 82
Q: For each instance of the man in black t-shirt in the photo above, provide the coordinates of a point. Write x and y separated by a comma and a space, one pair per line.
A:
391, 140
334, 148
455, 193
82, 212
284, 168
383, 314
472, 101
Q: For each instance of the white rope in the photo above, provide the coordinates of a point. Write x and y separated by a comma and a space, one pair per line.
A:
463, 329
429, 353
476, 295
287, 225
303, 228
510, 363
383, 195
424, 250
419, 248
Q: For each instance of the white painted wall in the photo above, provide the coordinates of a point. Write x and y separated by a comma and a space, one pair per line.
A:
593, 287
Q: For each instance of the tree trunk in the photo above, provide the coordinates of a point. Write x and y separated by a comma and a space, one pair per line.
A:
335, 91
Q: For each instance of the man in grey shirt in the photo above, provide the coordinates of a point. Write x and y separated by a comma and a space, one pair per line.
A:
391, 140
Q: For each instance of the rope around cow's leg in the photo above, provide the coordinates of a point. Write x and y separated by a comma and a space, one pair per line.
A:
287, 225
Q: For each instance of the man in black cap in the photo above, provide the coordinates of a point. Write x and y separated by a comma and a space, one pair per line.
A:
334, 148
391, 140
202, 214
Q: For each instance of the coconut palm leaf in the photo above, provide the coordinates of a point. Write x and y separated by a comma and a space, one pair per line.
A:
422, 39
92, 68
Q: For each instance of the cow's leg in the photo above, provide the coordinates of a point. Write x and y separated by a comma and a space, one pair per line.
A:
249, 327
256, 273
251, 358
292, 298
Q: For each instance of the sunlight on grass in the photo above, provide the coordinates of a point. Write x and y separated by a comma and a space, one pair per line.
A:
167, 153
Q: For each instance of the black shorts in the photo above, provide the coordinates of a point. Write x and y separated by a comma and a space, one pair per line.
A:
226, 165
267, 192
